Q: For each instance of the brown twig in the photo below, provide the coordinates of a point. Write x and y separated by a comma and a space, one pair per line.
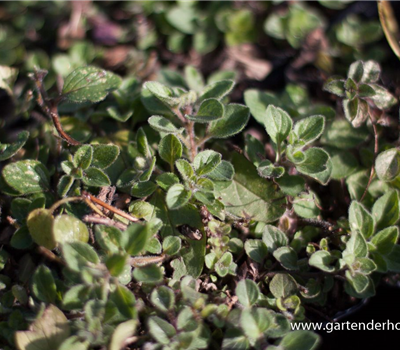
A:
104, 221
87, 196
50, 107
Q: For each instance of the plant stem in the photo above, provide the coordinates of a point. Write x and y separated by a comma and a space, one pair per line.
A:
50, 108
193, 146
376, 150
64, 201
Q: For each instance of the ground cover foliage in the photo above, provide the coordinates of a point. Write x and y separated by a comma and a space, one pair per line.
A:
194, 175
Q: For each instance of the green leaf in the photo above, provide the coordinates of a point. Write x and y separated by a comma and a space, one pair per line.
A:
177, 196
356, 246
64, 185
68, 228
104, 155
234, 120
172, 245
316, 160
224, 171
287, 257
170, 149
255, 321
124, 300
163, 298
386, 210
283, 285
385, 240
183, 18
291, 185
184, 168
342, 135
114, 113
194, 78
305, 205
335, 86
248, 293
364, 90
356, 71
356, 111
143, 189
43, 285
116, 264
268, 170
78, 255
274, 238
8, 75
95, 177
234, 338
393, 259
137, 237
250, 195
27, 176
151, 274
143, 144
121, 334
300, 340
40, 225
162, 124
89, 84
163, 93
47, 332
309, 129
161, 330
360, 219
387, 165
322, 260
83, 157
206, 161
75, 297
383, 99
277, 123
363, 265
217, 90
358, 281
209, 111
8, 150
108, 238
258, 102
256, 250
166, 180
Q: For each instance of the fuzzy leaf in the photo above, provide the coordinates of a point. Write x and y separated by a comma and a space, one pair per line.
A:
234, 120
78, 255
68, 228
386, 210
137, 237
385, 240
300, 340
27, 176
43, 285
309, 129
162, 92
335, 86
287, 257
151, 274
224, 171
8, 150
104, 155
209, 111
95, 177
46, 333
170, 149
387, 165
83, 157
322, 260
163, 298
258, 102
217, 90
248, 195
360, 219
162, 124
89, 84
206, 161
267, 170
40, 224
248, 293
282, 285
277, 123
177, 196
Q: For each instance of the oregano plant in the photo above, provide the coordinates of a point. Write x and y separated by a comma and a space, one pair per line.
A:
152, 205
